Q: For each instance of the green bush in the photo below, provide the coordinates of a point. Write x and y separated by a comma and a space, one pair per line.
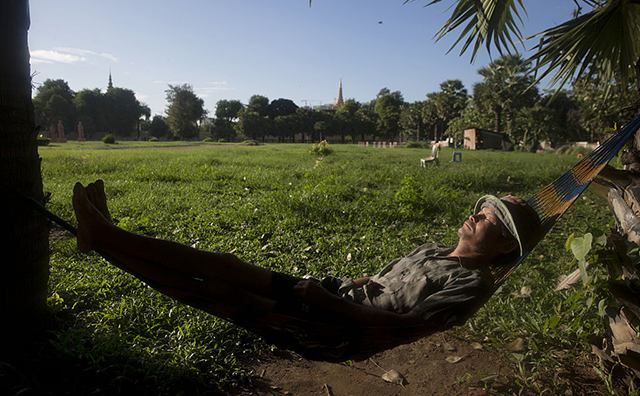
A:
321, 148
153, 139
250, 142
208, 140
109, 139
43, 140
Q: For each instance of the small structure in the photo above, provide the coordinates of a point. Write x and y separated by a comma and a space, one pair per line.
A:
80, 128
477, 139
60, 138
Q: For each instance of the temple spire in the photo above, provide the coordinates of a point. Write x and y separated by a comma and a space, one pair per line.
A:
340, 100
110, 86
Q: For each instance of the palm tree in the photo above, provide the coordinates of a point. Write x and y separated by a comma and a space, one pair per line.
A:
23, 284
505, 88
604, 41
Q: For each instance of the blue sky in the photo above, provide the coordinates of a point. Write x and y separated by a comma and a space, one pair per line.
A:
232, 49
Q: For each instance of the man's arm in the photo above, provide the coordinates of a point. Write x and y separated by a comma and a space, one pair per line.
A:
314, 294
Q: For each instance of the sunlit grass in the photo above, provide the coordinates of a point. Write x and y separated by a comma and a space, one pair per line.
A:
281, 207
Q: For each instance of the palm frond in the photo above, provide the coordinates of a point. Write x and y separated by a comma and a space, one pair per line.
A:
605, 40
492, 23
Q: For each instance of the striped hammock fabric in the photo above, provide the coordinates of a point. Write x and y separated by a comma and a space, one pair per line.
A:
553, 200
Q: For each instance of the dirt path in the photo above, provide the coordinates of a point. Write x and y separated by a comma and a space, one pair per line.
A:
423, 364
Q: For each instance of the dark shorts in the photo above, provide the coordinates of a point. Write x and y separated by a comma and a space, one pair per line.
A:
312, 331
287, 301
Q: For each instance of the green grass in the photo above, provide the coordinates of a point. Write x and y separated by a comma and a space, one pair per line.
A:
282, 207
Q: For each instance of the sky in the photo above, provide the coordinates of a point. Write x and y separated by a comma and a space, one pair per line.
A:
232, 49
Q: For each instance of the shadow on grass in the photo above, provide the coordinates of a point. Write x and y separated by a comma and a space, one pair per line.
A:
34, 362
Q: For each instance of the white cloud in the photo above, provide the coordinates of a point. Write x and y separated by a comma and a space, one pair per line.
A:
86, 52
36, 61
68, 55
51, 56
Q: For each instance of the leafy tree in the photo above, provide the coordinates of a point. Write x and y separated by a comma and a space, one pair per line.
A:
307, 117
286, 126
281, 107
443, 106
184, 110
54, 101
471, 117
252, 125
411, 121
122, 111
159, 127
228, 109
346, 118
604, 107
506, 87
388, 106
90, 108
366, 121
258, 104
222, 129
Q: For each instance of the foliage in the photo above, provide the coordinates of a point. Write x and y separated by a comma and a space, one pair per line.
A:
109, 139
122, 111
471, 117
42, 140
321, 148
228, 109
388, 106
159, 127
52, 102
604, 106
505, 88
258, 104
604, 41
184, 110
281, 107
411, 120
443, 106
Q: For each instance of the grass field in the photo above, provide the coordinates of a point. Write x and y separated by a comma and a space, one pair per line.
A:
283, 208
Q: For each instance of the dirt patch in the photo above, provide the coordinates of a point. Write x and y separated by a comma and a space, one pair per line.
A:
423, 364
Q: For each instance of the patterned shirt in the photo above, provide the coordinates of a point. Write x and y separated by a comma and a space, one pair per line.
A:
426, 283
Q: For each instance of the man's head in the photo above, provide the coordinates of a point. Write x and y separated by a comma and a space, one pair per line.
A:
499, 227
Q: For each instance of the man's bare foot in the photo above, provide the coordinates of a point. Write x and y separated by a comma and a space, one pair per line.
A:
90, 220
97, 196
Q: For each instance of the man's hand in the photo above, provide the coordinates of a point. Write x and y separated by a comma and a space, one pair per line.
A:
312, 292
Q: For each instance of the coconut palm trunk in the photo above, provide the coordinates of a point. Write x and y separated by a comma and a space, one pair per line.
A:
24, 262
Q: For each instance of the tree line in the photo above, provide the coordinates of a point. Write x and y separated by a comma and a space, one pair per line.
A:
506, 100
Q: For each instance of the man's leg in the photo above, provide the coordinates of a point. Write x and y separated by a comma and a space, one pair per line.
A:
95, 232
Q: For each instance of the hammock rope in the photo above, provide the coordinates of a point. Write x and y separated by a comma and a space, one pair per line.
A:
552, 201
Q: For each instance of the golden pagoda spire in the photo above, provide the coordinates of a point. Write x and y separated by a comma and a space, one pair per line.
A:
340, 100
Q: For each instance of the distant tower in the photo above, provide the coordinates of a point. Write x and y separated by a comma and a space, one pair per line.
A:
340, 100
110, 86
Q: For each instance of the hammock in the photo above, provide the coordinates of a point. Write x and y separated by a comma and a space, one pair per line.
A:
553, 200
331, 338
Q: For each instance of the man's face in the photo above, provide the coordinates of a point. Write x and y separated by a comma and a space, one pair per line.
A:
485, 233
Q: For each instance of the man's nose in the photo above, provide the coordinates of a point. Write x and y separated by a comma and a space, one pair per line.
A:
472, 218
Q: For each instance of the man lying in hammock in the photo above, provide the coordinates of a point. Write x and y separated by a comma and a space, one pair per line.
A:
429, 290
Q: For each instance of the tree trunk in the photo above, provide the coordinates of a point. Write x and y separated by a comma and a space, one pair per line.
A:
638, 80
497, 119
25, 251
